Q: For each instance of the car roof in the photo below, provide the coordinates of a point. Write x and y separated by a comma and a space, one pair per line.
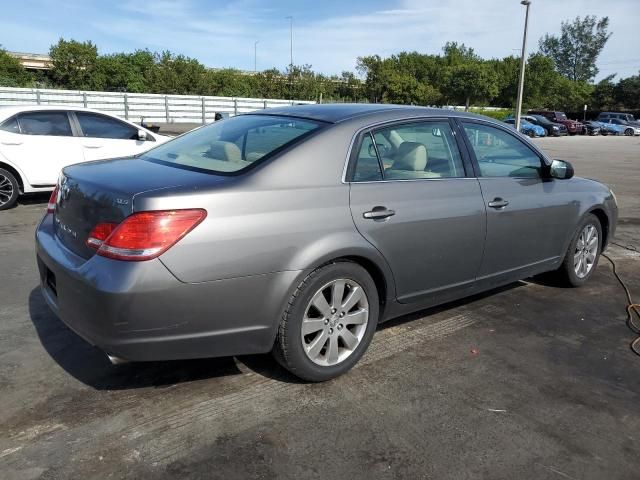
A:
9, 110
340, 112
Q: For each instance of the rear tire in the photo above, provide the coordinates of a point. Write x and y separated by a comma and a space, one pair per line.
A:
629, 132
581, 258
335, 338
9, 189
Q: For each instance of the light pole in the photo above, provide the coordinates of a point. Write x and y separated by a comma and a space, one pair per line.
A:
255, 55
291, 56
523, 58
290, 41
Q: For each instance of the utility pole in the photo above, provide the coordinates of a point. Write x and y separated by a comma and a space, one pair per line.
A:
290, 41
290, 56
255, 55
523, 58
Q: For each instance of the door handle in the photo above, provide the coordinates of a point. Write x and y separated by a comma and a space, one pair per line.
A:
498, 203
11, 143
379, 213
92, 146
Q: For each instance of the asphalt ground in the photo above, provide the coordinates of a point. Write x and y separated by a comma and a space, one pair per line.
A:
531, 381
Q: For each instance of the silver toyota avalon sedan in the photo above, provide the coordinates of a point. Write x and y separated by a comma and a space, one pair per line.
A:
297, 230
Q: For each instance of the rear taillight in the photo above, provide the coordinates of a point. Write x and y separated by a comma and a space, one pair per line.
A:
100, 233
144, 235
51, 206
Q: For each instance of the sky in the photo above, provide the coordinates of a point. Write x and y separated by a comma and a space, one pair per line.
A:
329, 35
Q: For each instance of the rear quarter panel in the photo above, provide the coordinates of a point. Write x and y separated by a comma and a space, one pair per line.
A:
290, 214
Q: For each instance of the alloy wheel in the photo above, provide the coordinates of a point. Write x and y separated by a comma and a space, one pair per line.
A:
335, 322
586, 251
6, 190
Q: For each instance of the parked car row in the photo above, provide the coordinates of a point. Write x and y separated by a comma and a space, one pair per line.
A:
546, 123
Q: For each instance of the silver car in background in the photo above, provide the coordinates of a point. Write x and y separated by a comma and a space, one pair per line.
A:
297, 230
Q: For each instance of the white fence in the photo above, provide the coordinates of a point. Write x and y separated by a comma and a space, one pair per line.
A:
137, 106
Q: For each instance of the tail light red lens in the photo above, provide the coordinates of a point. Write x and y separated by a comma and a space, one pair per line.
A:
144, 235
100, 233
51, 206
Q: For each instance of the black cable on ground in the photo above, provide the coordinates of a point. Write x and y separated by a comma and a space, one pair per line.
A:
626, 247
632, 308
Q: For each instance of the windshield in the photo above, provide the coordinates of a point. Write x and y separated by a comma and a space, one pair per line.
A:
232, 145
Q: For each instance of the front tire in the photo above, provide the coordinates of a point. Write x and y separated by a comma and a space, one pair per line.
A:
581, 258
9, 189
629, 132
328, 323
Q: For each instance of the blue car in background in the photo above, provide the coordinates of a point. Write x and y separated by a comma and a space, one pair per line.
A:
609, 128
528, 128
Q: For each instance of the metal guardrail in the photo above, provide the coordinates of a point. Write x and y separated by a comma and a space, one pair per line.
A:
147, 106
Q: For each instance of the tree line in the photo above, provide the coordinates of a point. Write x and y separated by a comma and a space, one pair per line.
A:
559, 75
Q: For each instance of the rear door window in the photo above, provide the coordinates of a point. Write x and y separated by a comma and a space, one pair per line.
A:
411, 151
10, 125
100, 126
45, 123
367, 164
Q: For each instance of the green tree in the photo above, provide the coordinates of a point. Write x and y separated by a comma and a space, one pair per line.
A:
576, 50
627, 91
540, 81
471, 82
127, 72
604, 94
271, 84
176, 74
228, 82
74, 63
12, 73
458, 53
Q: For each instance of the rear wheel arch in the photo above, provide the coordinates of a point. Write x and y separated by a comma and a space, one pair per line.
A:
15, 173
374, 271
373, 262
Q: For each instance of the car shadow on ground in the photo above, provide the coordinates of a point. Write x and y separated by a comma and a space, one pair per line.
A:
91, 366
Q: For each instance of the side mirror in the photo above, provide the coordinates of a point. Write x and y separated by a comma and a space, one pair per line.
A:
372, 151
561, 169
382, 149
142, 135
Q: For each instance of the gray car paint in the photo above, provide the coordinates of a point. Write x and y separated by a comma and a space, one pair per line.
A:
222, 289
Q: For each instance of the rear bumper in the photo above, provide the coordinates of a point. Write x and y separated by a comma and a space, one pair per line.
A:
139, 311
558, 133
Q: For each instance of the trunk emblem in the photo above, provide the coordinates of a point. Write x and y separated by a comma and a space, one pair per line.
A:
122, 201
66, 228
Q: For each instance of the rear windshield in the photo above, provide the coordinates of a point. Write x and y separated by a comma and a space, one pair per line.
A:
561, 115
232, 145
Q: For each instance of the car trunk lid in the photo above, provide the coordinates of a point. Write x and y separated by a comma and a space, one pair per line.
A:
105, 191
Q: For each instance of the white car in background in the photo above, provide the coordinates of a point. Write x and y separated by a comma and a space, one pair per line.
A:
36, 142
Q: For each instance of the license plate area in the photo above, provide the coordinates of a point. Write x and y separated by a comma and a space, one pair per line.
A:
50, 282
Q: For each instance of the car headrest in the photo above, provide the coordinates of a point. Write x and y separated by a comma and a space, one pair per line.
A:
227, 151
410, 156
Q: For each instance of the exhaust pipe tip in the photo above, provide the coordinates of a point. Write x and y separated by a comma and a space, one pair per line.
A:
117, 360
